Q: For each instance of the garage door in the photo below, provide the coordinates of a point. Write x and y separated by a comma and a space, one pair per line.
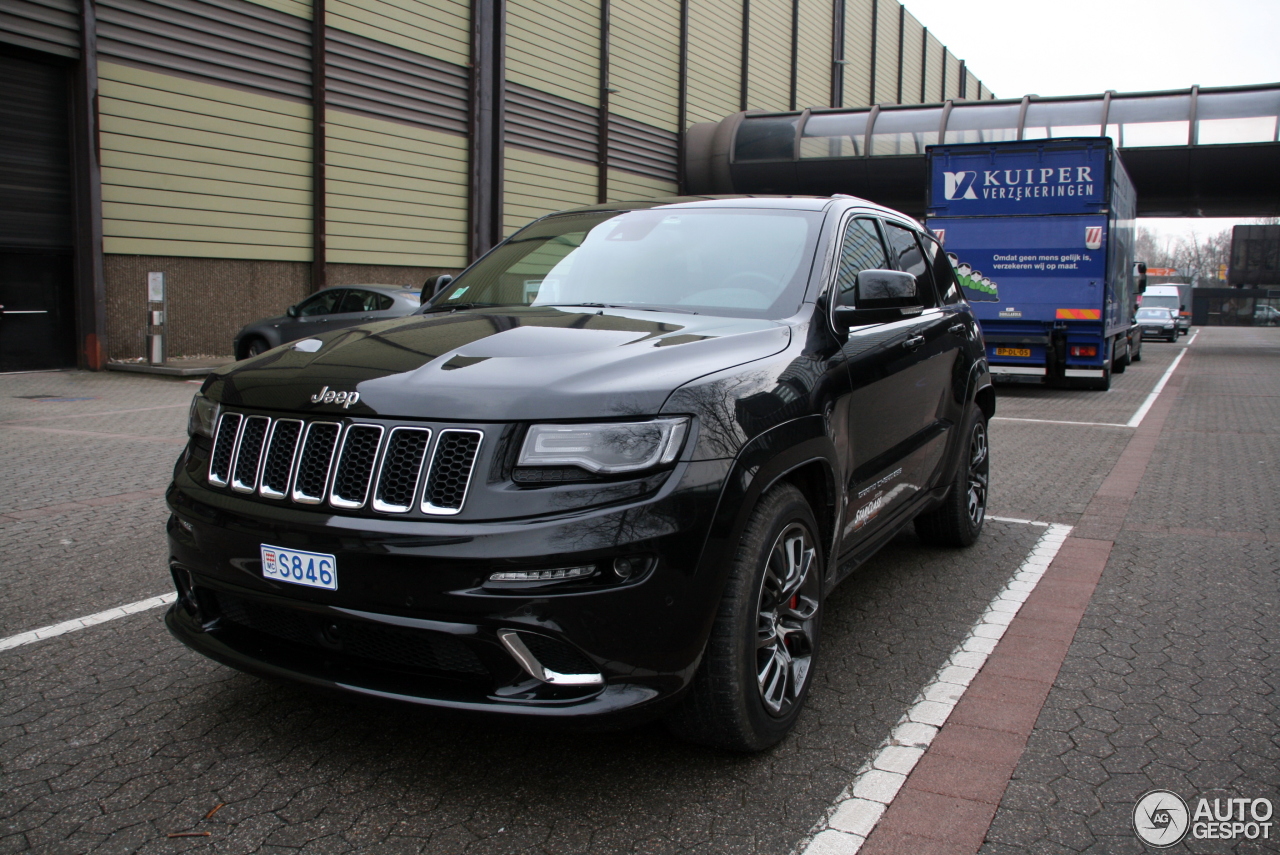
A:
37, 327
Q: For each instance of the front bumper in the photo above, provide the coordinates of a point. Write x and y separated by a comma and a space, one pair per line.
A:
413, 619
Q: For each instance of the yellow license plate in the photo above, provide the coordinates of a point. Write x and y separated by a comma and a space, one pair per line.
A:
1013, 351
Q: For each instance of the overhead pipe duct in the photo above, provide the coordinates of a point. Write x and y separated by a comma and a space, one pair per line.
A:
1196, 152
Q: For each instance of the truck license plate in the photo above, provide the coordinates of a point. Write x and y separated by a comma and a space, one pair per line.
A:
313, 569
1013, 351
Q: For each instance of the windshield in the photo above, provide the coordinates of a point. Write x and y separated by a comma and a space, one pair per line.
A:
1153, 314
1153, 302
749, 263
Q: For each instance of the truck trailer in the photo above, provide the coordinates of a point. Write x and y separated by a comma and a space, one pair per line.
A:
1042, 237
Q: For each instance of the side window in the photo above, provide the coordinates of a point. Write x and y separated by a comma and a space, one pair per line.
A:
944, 275
861, 250
321, 304
907, 255
354, 301
381, 302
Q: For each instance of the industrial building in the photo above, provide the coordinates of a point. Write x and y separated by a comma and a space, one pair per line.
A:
222, 145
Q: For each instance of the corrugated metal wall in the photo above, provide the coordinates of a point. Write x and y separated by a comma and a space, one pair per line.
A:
555, 47
193, 169
769, 55
813, 55
857, 53
933, 71
953, 76
912, 56
50, 26
715, 59
206, 114
538, 184
887, 53
644, 61
439, 29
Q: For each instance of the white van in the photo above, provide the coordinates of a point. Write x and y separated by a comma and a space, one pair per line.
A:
1176, 297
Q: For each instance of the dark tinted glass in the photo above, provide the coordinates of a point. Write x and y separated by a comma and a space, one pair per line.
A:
738, 262
381, 302
861, 250
944, 276
909, 258
321, 304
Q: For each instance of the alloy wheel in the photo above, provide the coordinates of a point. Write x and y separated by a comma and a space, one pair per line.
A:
787, 619
979, 474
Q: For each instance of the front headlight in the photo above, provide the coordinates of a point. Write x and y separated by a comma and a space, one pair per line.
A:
202, 418
607, 448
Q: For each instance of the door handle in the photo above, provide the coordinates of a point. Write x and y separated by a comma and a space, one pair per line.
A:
958, 329
913, 342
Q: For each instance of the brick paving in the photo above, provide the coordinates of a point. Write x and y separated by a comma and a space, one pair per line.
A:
115, 736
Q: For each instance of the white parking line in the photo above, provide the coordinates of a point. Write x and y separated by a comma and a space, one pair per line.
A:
75, 624
1155, 393
1056, 422
850, 820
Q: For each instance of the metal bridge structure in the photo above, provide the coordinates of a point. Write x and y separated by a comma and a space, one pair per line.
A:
1191, 153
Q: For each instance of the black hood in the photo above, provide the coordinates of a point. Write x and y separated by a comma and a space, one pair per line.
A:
501, 364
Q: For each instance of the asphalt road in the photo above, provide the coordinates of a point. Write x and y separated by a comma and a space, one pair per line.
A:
115, 736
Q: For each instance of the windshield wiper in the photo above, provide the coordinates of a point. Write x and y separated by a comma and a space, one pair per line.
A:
637, 306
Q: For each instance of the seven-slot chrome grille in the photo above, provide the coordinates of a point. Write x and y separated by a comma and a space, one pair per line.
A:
350, 467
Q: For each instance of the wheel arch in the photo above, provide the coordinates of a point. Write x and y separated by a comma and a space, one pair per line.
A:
798, 452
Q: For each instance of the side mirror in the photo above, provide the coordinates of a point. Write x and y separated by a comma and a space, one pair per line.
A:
434, 285
1140, 275
292, 311
1182, 307
880, 296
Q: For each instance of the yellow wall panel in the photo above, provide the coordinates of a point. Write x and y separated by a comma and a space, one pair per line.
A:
395, 192
715, 59
912, 55
813, 57
933, 71
537, 184
189, 167
439, 28
555, 47
769, 55
887, 54
857, 53
629, 187
644, 61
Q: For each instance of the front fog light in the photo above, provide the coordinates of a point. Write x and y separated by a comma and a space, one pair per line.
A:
558, 575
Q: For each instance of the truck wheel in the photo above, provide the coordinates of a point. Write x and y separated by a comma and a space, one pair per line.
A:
958, 520
756, 670
1119, 365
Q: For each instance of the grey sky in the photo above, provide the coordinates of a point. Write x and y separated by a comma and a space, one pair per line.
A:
1019, 47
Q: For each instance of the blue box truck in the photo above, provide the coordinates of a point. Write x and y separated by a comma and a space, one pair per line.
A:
1042, 235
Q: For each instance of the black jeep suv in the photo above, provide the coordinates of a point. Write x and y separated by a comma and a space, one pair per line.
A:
611, 470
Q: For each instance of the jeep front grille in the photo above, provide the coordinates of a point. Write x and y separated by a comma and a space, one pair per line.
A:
349, 467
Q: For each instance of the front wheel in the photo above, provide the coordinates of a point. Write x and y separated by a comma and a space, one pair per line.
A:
756, 670
958, 520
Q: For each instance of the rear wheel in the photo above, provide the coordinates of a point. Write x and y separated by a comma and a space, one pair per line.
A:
958, 520
1119, 365
756, 671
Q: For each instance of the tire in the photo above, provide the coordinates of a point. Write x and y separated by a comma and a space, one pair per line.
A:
255, 347
1136, 355
1119, 365
748, 692
958, 520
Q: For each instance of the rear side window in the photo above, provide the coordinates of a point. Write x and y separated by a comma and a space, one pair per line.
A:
861, 250
944, 276
909, 258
